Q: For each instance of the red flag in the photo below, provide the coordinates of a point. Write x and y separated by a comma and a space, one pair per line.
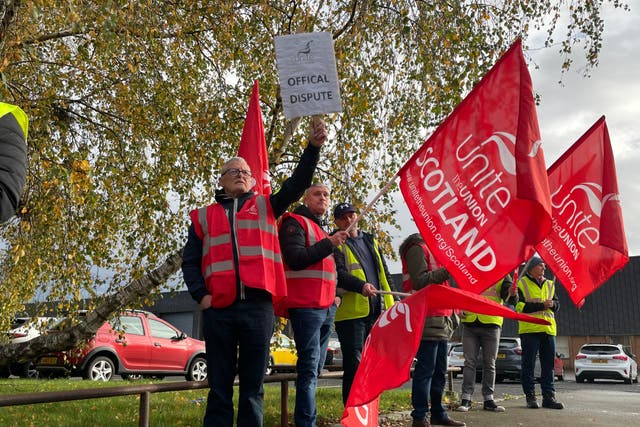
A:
253, 146
515, 280
587, 243
362, 416
478, 188
394, 341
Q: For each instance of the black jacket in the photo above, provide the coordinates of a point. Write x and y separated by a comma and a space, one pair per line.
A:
13, 165
293, 242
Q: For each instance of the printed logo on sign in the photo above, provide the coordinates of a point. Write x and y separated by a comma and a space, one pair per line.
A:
303, 55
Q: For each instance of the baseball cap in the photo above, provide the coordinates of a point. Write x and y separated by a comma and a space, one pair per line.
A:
342, 209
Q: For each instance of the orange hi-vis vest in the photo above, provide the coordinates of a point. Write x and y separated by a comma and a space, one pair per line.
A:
259, 258
432, 264
314, 286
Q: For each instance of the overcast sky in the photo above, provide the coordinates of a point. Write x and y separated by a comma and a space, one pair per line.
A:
568, 110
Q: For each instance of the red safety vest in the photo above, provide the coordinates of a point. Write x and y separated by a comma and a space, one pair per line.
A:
315, 286
259, 259
432, 264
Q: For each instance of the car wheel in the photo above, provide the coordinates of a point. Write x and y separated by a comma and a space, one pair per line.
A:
27, 370
328, 361
269, 369
197, 370
579, 379
100, 369
499, 379
628, 380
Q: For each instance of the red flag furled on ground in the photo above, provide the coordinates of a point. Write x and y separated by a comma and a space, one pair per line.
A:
478, 188
394, 340
587, 243
253, 147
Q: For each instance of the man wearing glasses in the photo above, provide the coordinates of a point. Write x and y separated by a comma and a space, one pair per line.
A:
233, 268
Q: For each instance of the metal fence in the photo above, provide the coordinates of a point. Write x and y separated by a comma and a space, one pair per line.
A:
145, 391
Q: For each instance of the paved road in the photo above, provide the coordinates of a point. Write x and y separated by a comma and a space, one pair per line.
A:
603, 403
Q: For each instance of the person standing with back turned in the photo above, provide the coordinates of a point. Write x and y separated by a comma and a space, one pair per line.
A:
233, 268
481, 331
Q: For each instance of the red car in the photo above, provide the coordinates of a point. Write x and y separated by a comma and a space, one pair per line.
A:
134, 344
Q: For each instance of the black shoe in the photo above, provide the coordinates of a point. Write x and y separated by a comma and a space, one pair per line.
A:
465, 405
490, 405
549, 401
532, 403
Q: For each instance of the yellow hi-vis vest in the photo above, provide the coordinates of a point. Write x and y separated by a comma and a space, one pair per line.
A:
492, 293
355, 305
19, 115
534, 293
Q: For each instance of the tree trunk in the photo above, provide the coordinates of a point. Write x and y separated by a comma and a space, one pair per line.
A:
8, 10
77, 334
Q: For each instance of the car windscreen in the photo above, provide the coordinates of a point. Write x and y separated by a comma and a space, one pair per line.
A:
600, 349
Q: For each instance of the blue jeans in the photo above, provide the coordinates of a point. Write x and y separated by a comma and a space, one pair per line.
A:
352, 334
533, 344
237, 341
311, 330
429, 379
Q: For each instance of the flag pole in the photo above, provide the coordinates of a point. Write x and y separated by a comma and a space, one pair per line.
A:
394, 293
372, 202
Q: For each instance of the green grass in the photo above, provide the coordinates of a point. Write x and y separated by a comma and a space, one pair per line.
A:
181, 408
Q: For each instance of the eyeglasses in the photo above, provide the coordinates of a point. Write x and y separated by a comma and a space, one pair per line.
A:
236, 172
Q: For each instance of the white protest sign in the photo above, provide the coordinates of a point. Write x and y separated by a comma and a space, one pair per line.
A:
308, 76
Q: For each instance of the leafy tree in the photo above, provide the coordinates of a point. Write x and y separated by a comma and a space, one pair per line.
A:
134, 105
